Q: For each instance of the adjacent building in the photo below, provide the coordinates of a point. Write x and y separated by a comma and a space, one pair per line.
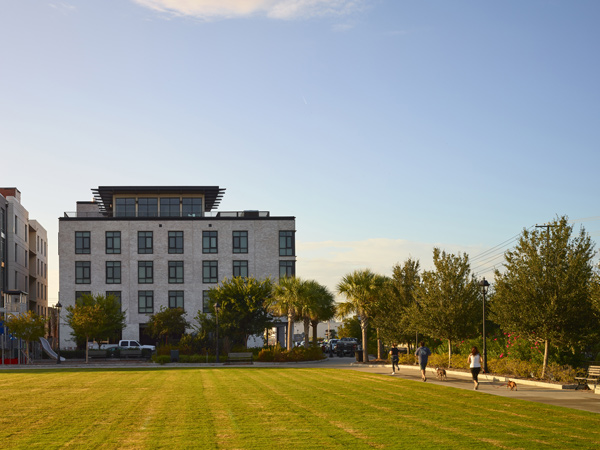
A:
23, 257
165, 246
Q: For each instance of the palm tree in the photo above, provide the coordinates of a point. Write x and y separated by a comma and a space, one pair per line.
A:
287, 300
319, 305
361, 289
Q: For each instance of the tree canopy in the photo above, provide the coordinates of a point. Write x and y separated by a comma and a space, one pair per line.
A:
544, 292
168, 322
27, 326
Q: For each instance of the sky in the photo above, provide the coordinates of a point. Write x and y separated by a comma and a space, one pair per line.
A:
386, 127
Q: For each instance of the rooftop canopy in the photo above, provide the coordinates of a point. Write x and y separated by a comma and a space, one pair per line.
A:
104, 194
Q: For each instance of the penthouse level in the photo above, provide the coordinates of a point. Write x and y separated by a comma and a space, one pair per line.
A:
165, 246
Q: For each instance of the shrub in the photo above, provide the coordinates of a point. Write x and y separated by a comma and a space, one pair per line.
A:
161, 359
276, 354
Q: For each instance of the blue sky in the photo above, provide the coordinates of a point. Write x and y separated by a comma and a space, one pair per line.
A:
387, 127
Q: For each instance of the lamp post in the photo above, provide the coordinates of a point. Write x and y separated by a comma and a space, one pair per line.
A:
217, 306
484, 285
58, 308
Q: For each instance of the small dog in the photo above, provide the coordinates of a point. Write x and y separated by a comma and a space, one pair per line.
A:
511, 385
440, 373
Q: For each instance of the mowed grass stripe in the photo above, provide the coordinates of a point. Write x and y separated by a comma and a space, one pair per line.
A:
251, 408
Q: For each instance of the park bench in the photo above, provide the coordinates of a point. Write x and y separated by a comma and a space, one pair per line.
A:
592, 376
97, 354
239, 358
131, 353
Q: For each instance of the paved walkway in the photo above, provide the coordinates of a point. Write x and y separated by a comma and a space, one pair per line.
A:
526, 390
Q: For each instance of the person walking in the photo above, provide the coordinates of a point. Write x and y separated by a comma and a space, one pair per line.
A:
474, 361
394, 353
423, 354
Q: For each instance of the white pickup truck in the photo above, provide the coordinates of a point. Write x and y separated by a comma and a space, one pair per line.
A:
127, 343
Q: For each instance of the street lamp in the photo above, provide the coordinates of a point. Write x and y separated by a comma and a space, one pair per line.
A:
58, 308
484, 285
217, 306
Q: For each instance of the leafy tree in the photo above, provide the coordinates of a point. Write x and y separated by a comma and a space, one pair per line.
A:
544, 293
448, 301
27, 326
168, 322
362, 289
288, 296
243, 309
97, 317
324, 308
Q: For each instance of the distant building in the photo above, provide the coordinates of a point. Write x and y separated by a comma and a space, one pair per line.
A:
165, 246
23, 257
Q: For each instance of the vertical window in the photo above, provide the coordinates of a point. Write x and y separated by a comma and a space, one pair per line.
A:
147, 207
113, 272
240, 269
191, 207
210, 272
83, 272
175, 241
175, 271
79, 294
82, 242
144, 242
240, 242
176, 299
205, 302
113, 242
287, 269
286, 243
145, 272
209, 242
169, 207
125, 207
145, 302
115, 294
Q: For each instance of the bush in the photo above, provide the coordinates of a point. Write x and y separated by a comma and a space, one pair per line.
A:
277, 354
161, 359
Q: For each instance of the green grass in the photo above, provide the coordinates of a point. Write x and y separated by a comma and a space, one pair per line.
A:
276, 408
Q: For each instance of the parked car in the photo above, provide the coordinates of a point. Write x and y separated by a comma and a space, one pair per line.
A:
347, 346
126, 343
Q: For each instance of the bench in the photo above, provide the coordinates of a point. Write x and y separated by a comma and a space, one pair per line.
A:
239, 358
97, 354
593, 376
131, 353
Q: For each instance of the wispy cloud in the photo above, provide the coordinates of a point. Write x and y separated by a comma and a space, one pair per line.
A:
62, 6
275, 9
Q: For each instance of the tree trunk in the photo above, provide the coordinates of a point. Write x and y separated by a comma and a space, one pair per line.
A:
306, 331
314, 331
364, 323
378, 345
290, 330
86, 348
449, 353
546, 350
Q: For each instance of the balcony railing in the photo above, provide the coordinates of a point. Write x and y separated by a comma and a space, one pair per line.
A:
251, 214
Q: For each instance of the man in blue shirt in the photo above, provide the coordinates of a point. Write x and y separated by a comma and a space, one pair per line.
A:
423, 353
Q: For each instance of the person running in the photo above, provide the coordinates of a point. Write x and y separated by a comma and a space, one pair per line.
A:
394, 353
423, 354
474, 361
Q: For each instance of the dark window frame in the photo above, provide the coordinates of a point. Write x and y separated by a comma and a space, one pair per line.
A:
125, 207
240, 266
146, 208
212, 267
174, 297
145, 242
176, 242
113, 272
112, 242
83, 242
287, 243
176, 272
83, 272
145, 272
210, 242
240, 241
287, 268
148, 299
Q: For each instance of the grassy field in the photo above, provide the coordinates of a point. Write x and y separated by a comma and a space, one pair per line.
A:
277, 408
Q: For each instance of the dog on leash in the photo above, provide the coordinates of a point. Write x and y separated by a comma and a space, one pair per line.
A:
440, 373
511, 385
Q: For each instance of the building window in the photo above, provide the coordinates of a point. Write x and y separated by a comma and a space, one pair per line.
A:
175, 241
83, 272
169, 207
205, 302
191, 207
115, 294
79, 294
147, 207
286, 243
209, 242
145, 302
240, 269
113, 272
82, 242
125, 207
175, 271
145, 272
210, 272
144, 242
240, 242
113, 242
287, 269
176, 299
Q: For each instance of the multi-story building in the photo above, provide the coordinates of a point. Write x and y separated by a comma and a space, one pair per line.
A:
23, 255
165, 246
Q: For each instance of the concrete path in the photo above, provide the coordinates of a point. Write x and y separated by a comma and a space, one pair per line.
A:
550, 394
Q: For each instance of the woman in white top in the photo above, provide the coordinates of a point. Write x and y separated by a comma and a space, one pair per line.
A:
475, 365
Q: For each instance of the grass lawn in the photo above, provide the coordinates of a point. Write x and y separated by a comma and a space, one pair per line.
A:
278, 408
